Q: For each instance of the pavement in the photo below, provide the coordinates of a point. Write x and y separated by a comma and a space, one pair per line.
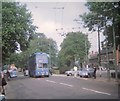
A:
104, 77
101, 78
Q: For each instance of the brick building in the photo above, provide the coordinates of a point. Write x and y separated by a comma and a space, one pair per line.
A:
93, 58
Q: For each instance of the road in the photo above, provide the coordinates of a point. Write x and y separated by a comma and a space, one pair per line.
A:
60, 87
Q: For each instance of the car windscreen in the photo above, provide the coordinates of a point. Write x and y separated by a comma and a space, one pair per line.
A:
84, 70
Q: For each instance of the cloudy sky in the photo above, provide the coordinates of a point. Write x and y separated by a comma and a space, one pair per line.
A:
49, 16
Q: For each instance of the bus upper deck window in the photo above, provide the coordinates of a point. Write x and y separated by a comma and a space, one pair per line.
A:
45, 65
40, 67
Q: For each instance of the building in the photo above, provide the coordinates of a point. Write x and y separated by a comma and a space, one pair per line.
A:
93, 58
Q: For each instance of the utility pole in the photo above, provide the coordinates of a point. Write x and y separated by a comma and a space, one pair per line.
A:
99, 53
86, 51
115, 60
107, 60
50, 62
114, 45
99, 56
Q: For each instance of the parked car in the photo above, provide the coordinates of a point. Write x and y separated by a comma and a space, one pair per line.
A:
2, 97
71, 72
13, 73
86, 72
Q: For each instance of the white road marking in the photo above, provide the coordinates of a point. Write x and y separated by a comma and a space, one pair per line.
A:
66, 84
70, 76
59, 75
96, 91
20, 75
60, 83
51, 81
82, 78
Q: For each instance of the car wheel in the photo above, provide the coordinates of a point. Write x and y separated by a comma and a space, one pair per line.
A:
70, 74
89, 76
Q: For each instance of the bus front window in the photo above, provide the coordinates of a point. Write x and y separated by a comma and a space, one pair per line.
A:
44, 65
40, 65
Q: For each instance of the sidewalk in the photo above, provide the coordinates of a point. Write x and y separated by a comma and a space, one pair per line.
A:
106, 79
103, 77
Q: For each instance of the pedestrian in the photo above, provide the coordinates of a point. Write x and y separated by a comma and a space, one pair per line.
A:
3, 83
94, 72
50, 71
8, 75
75, 71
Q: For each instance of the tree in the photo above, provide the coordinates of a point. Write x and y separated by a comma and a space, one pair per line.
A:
17, 28
106, 15
39, 43
101, 14
72, 49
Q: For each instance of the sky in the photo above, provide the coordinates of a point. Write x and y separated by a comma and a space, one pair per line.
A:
56, 18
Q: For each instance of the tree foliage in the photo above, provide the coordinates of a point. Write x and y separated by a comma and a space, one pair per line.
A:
17, 28
101, 15
39, 43
73, 48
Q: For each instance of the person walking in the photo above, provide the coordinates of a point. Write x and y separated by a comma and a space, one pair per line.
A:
94, 72
8, 75
75, 71
3, 83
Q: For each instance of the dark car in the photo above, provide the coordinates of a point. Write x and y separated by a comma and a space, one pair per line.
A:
86, 72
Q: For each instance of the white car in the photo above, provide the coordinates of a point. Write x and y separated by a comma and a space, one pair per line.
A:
13, 73
71, 73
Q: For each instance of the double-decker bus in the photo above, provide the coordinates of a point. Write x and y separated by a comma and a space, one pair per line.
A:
38, 65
